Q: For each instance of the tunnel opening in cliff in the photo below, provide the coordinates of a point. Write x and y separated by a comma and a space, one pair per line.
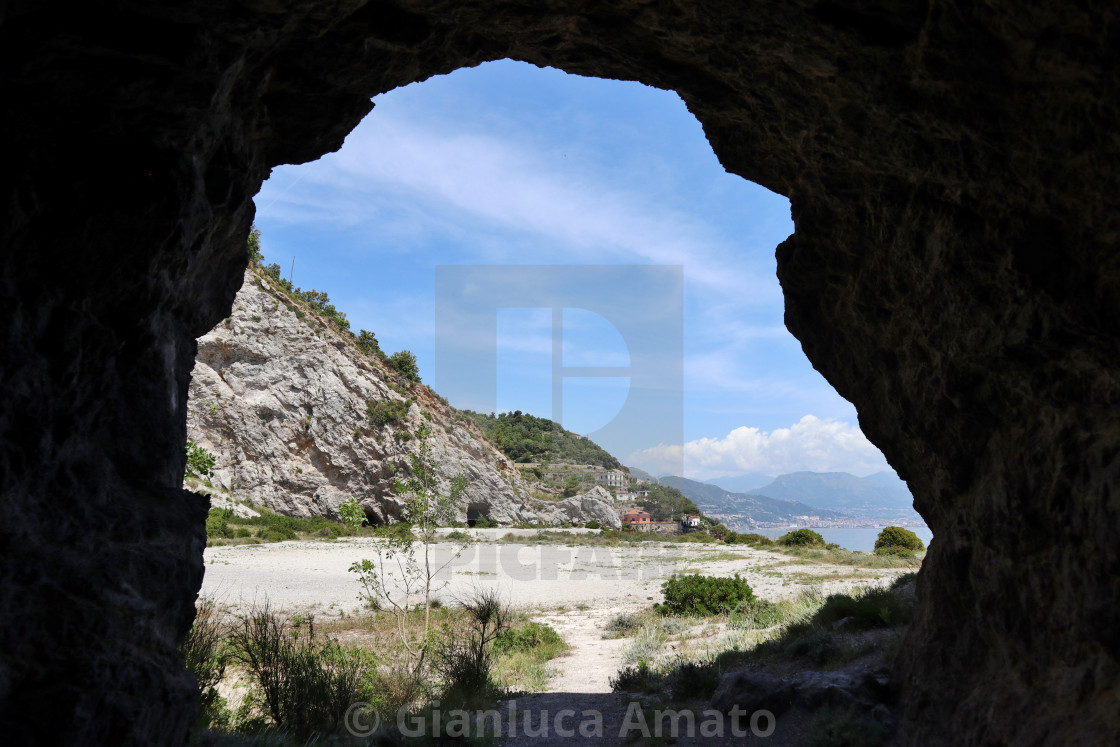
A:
953, 274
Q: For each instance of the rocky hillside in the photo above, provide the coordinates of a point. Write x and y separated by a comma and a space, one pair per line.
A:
284, 400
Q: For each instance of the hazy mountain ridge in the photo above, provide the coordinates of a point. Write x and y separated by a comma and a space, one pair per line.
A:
882, 496
831, 497
752, 509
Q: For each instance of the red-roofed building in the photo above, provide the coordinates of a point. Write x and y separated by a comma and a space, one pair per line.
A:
636, 517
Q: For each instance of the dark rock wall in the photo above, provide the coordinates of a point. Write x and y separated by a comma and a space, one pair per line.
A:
952, 172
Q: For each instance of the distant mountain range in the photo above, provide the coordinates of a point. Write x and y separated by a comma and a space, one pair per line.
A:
830, 496
753, 508
879, 496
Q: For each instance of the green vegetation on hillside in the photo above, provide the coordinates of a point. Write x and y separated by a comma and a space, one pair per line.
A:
667, 504
525, 438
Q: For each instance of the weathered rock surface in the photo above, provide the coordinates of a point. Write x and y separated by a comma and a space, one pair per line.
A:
952, 173
280, 398
858, 688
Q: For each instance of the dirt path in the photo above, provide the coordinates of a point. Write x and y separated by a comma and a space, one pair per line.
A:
593, 660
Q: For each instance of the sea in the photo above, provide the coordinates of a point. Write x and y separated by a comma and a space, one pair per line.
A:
850, 538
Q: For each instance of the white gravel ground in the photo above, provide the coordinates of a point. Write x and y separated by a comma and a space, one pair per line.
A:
577, 589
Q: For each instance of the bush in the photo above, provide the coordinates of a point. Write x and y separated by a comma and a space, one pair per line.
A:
810, 643
352, 514
897, 541
801, 538
465, 661
253, 245
527, 637
593, 524
367, 342
306, 682
387, 411
753, 539
200, 462
405, 364
636, 679
757, 614
703, 595
400, 530
217, 523
690, 679
623, 624
276, 535
206, 658
871, 608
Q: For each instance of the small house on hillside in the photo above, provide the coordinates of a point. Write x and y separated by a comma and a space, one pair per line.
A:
689, 522
613, 479
636, 517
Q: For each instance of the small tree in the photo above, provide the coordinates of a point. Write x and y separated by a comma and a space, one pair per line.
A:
801, 538
398, 576
200, 462
405, 364
253, 245
352, 513
367, 342
896, 540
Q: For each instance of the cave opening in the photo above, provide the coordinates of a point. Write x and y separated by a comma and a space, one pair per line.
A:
951, 175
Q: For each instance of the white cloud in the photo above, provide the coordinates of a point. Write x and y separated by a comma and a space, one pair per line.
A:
811, 444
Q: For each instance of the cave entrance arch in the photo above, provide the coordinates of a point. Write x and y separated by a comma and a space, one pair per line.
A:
951, 175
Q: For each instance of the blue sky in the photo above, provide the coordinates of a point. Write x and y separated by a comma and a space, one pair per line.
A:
509, 164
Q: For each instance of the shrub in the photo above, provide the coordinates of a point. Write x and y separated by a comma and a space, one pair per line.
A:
387, 411
871, 608
322, 303
217, 523
703, 595
757, 614
623, 624
253, 245
405, 363
367, 342
636, 679
200, 462
753, 539
352, 514
529, 636
893, 539
593, 524
690, 679
465, 661
306, 682
401, 530
801, 538
804, 641
276, 535
206, 658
